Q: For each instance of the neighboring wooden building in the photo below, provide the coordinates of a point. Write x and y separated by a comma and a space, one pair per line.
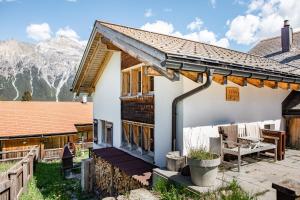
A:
49, 125
286, 50
154, 93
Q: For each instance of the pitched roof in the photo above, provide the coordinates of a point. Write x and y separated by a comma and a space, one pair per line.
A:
19, 118
168, 52
183, 47
271, 48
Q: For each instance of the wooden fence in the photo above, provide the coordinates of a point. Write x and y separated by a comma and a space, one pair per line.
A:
14, 181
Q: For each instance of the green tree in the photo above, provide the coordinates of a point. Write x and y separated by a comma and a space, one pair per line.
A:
26, 96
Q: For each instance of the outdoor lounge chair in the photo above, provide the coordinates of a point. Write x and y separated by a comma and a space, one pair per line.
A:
233, 145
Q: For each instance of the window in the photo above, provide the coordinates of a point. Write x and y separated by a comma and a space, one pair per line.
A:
138, 138
136, 82
139, 81
95, 129
107, 133
151, 83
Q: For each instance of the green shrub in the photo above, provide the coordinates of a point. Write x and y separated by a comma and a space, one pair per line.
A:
171, 191
201, 154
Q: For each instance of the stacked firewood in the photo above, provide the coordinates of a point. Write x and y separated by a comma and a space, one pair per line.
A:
104, 175
124, 183
111, 180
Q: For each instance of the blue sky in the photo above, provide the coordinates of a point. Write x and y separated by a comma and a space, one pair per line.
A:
236, 24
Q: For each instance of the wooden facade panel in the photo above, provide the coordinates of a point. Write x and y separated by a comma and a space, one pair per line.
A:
140, 109
134, 82
125, 83
294, 132
145, 81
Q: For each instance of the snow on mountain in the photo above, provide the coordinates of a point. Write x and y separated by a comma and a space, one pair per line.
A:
46, 69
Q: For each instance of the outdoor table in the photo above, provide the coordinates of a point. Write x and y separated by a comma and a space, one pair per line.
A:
287, 190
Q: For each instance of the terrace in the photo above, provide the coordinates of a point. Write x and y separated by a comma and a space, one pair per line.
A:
256, 175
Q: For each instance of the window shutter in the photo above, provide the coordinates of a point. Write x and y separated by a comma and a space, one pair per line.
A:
134, 82
145, 81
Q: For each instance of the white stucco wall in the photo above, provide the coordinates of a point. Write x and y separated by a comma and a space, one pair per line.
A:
107, 105
209, 108
165, 92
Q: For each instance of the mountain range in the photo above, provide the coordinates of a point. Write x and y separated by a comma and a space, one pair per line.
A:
46, 69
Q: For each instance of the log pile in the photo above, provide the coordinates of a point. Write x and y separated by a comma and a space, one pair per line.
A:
112, 181
123, 183
104, 174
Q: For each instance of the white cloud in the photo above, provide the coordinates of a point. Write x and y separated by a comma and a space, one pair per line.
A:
254, 5
148, 13
38, 31
243, 28
67, 32
196, 34
159, 27
213, 3
263, 18
207, 37
72, 1
195, 25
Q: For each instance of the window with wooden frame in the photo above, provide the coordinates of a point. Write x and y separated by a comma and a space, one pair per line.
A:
125, 83
136, 82
138, 138
106, 133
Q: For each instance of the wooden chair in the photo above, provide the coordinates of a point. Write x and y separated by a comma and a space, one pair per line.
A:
231, 144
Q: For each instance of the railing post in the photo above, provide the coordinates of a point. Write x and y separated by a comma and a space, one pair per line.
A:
31, 163
12, 176
25, 173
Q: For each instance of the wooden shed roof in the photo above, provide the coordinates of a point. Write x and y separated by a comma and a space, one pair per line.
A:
171, 54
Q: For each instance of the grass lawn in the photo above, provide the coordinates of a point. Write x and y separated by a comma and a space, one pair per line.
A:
48, 184
171, 191
6, 165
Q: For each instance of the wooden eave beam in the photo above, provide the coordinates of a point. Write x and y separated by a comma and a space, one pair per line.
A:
150, 71
190, 75
101, 68
294, 86
271, 84
284, 85
220, 79
238, 80
87, 65
255, 82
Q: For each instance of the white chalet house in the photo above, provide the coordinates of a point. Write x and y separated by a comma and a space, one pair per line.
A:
154, 93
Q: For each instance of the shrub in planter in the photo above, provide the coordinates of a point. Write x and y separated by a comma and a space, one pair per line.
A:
203, 166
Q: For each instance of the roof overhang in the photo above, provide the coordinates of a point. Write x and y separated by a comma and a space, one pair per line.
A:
104, 40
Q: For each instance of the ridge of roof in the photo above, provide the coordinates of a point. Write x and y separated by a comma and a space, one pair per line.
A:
176, 37
188, 40
275, 37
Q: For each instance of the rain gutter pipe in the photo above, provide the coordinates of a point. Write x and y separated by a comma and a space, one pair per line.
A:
182, 97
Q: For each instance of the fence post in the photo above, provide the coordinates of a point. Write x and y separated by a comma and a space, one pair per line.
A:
31, 163
25, 173
12, 176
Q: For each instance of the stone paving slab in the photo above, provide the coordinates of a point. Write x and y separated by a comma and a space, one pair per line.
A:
256, 175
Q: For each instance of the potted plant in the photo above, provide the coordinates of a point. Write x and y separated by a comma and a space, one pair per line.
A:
203, 166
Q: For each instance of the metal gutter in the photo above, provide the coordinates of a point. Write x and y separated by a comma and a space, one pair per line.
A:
181, 97
227, 69
35, 135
